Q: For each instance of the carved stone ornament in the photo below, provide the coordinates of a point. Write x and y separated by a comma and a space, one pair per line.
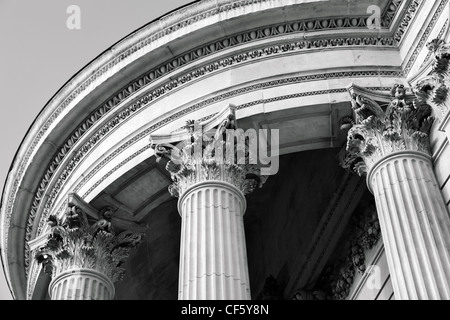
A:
434, 89
206, 154
404, 125
362, 234
73, 243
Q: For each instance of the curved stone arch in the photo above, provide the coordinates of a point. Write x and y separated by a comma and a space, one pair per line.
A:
120, 60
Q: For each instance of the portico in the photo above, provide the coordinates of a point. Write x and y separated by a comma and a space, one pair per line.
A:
308, 69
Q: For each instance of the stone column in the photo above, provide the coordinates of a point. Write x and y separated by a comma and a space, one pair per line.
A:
415, 223
213, 262
81, 284
392, 148
211, 178
84, 260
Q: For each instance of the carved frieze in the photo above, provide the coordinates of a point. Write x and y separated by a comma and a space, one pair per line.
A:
404, 125
74, 243
362, 234
434, 89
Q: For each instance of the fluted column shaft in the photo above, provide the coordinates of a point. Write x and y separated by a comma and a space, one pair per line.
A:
415, 225
81, 284
213, 257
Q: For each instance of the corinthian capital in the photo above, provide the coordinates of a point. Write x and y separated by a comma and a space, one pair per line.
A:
73, 243
402, 124
434, 89
214, 150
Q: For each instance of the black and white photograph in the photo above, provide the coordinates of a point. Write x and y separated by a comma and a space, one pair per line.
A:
232, 156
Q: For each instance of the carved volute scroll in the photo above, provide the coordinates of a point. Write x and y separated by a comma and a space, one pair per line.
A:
73, 243
195, 157
434, 89
403, 125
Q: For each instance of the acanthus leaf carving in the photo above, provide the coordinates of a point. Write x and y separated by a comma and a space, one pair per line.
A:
433, 89
74, 243
206, 156
403, 125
